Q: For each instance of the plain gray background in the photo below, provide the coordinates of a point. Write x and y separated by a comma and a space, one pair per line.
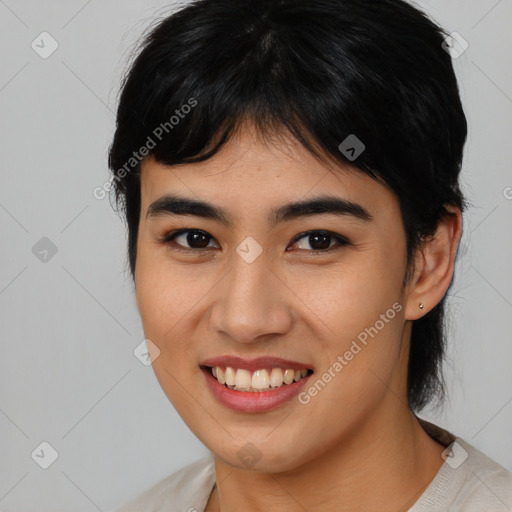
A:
70, 324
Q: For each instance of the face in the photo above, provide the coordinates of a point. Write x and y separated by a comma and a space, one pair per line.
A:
319, 288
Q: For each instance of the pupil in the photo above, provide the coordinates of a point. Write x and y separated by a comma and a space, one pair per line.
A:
325, 245
192, 238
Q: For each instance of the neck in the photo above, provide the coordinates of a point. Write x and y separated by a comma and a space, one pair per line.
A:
385, 464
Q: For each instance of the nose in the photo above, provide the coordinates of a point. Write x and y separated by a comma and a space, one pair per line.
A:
251, 302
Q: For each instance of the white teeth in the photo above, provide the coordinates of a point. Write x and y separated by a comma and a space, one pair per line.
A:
276, 377
230, 376
242, 379
288, 376
259, 380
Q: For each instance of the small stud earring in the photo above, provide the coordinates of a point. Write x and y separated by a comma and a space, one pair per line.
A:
421, 305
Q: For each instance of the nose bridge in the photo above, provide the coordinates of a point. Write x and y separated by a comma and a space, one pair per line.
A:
249, 303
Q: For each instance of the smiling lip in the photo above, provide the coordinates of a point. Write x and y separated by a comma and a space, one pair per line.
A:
249, 401
255, 364
253, 401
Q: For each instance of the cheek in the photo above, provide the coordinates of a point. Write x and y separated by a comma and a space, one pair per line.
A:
165, 301
356, 311
156, 287
162, 298
170, 299
344, 299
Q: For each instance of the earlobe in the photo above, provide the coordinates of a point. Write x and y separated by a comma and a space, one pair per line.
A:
435, 263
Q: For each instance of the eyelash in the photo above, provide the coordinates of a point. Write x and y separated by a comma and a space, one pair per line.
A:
168, 239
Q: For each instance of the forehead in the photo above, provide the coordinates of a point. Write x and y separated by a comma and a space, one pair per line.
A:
251, 175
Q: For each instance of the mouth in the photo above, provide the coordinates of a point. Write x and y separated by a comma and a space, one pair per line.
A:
256, 381
254, 386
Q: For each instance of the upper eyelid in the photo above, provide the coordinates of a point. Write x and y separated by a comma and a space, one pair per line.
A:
321, 231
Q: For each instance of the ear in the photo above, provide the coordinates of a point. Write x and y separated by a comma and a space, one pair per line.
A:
435, 263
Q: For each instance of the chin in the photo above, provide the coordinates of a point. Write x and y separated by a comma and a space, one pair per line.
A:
270, 456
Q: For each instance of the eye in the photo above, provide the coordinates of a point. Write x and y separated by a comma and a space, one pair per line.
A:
320, 241
196, 238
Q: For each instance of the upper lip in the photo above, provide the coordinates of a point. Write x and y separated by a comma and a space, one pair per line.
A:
257, 363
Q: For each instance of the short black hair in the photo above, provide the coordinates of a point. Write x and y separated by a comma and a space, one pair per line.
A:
320, 70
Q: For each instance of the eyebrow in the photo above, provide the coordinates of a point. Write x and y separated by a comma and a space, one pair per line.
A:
171, 204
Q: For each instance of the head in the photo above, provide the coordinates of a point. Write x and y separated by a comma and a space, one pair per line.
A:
253, 106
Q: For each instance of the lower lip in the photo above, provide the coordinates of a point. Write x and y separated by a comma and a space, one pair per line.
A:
248, 401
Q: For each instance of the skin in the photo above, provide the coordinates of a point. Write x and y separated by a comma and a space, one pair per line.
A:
355, 445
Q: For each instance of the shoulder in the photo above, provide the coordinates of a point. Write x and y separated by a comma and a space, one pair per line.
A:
468, 481
186, 489
487, 485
